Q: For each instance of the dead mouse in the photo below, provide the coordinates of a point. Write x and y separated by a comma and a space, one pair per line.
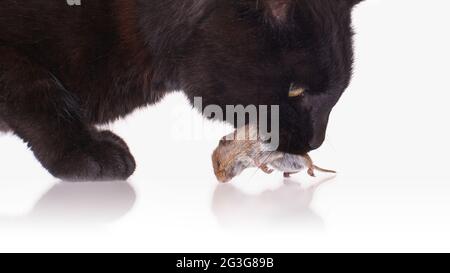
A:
238, 152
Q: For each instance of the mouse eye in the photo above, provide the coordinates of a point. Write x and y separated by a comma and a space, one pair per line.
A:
295, 91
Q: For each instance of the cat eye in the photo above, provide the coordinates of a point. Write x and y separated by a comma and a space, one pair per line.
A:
296, 91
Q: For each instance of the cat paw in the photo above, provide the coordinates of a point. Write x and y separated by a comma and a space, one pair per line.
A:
110, 136
105, 158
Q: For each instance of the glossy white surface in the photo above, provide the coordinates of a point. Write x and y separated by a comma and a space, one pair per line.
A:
388, 138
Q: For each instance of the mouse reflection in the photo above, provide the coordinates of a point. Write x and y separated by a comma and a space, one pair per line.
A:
285, 207
80, 203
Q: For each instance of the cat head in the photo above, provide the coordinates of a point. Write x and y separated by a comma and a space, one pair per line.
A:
297, 54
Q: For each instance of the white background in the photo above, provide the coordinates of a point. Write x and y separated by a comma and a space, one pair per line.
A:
388, 138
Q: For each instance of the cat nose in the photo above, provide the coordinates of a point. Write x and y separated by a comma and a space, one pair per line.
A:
317, 140
315, 144
319, 126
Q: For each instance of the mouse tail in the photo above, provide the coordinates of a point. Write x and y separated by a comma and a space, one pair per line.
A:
323, 170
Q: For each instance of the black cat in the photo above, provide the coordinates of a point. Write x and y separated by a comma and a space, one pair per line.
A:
64, 69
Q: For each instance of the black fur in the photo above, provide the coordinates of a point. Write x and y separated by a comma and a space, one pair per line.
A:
64, 69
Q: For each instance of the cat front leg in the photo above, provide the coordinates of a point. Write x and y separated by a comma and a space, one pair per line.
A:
38, 108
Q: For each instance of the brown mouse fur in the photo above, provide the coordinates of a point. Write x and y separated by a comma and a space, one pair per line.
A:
234, 155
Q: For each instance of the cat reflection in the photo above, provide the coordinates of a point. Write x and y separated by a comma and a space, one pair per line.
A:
79, 204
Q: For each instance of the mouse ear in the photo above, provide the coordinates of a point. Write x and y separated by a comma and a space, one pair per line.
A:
224, 141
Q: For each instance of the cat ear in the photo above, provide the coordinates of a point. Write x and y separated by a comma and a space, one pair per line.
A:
278, 10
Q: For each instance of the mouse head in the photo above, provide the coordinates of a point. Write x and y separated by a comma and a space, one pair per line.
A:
296, 54
229, 160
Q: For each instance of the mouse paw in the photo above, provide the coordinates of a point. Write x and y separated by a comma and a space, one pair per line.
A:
266, 169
